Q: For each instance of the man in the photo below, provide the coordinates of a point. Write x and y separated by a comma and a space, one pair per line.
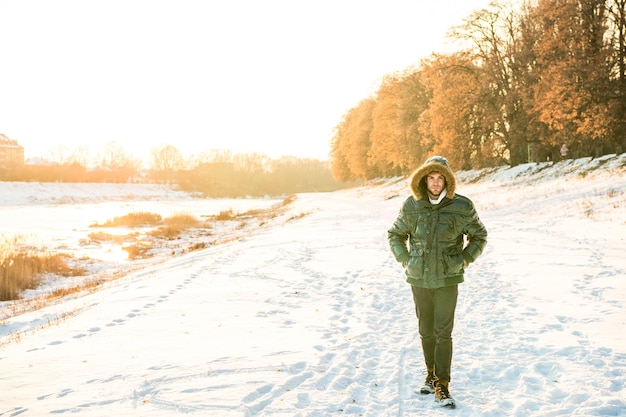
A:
444, 236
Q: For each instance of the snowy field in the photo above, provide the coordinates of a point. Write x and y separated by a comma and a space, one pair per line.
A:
312, 317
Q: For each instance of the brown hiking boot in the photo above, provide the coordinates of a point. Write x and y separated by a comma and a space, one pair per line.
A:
442, 395
429, 383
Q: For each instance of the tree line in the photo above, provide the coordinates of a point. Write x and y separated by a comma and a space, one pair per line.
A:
544, 80
214, 173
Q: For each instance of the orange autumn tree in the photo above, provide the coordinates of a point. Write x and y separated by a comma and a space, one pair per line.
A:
397, 144
500, 43
527, 82
351, 143
617, 59
359, 143
573, 94
454, 119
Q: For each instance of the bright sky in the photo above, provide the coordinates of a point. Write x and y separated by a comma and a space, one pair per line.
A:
271, 76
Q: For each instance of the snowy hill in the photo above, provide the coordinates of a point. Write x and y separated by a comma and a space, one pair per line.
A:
313, 318
21, 193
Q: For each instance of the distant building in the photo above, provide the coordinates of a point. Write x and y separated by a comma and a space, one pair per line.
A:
11, 153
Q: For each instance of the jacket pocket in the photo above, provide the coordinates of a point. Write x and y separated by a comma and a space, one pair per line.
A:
452, 262
415, 264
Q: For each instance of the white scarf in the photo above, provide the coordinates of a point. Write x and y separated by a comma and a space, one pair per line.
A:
438, 200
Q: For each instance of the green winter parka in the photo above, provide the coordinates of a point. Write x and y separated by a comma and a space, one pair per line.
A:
440, 236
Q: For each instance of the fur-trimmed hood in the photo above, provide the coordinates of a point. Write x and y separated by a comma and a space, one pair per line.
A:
432, 164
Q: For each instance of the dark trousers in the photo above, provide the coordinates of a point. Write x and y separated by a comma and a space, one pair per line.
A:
435, 314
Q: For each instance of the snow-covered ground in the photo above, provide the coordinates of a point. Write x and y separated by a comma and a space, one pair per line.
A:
312, 316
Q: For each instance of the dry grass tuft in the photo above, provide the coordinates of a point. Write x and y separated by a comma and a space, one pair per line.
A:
288, 200
175, 225
20, 271
166, 232
198, 246
224, 215
138, 251
133, 219
297, 216
109, 237
182, 221
227, 215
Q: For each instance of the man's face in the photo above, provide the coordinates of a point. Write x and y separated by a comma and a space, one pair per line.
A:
435, 183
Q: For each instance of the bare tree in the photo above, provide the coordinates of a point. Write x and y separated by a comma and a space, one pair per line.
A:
80, 156
165, 160
59, 154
